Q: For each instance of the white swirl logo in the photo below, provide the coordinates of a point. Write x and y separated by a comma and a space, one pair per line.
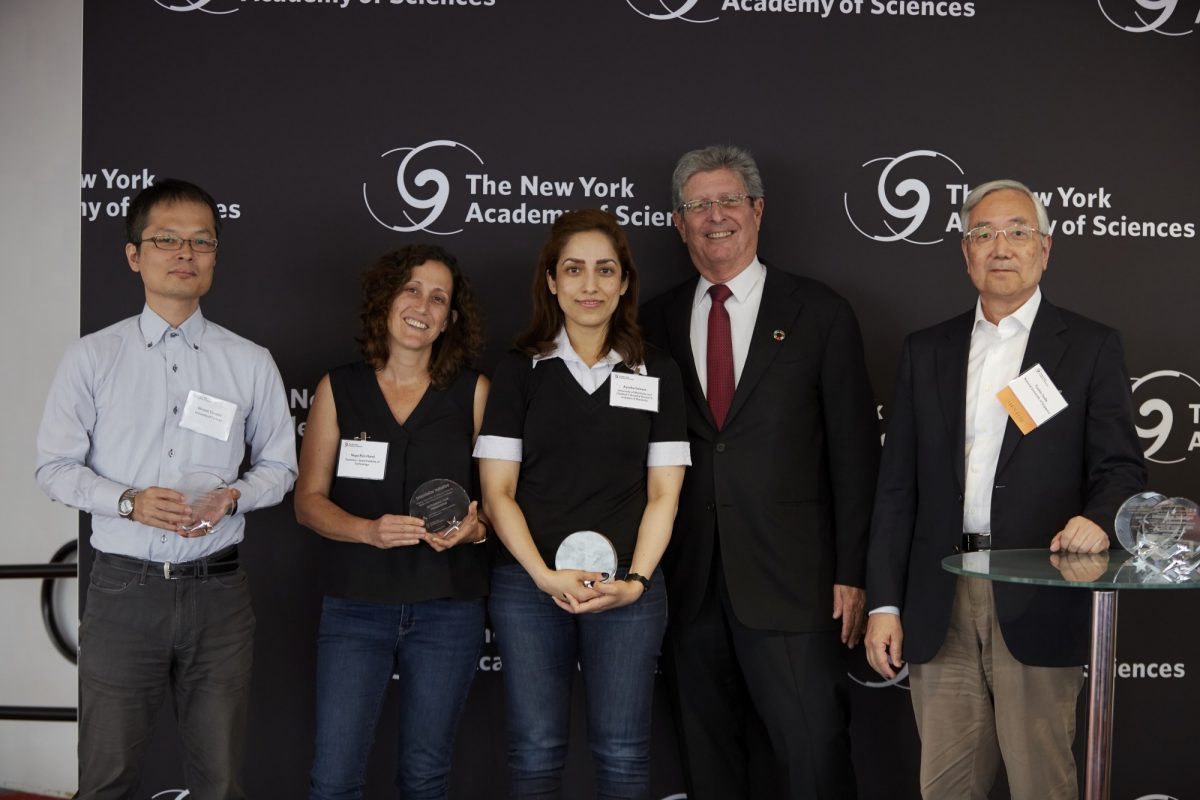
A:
667, 12
1158, 397
193, 5
433, 204
173, 794
1164, 8
1156, 797
901, 675
859, 666
911, 216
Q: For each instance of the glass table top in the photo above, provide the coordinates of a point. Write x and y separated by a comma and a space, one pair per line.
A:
1112, 570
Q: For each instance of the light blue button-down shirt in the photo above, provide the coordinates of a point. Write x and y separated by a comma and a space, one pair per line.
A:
111, 423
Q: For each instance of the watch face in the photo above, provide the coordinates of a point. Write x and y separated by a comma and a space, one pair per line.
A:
125, 507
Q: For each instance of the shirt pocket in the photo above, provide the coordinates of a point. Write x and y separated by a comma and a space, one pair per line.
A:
220, 458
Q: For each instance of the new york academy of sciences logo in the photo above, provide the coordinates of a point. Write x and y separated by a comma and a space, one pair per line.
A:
203, 6
1149, 16
901, 200
663, 10
421, 190
1167, 403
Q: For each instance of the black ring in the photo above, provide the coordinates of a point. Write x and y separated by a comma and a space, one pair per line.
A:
48, 619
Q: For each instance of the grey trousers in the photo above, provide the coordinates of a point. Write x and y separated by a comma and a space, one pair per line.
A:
143, 637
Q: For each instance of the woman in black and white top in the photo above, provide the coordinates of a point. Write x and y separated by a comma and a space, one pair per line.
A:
585, 429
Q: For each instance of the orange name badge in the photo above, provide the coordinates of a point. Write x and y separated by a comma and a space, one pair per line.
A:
1031, 398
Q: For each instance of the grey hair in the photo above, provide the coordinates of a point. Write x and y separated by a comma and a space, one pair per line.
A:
984, 189
707, 159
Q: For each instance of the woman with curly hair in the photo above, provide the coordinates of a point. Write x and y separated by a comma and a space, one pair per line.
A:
399, 599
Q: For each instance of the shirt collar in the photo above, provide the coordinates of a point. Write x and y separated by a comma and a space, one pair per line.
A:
153, 328
562, 349
740, 285
1023, 316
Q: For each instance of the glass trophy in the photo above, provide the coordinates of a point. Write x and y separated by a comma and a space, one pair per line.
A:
442, 504
1163, 533
587, 551
1132, 517
206, 499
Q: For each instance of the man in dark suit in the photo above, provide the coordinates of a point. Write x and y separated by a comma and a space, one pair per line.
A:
766, 564
994, 668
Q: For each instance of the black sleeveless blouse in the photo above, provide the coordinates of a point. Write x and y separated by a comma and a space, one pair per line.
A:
434, 442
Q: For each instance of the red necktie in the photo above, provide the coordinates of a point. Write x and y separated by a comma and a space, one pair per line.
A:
720, 354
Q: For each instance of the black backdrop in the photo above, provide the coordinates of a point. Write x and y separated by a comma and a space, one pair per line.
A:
332, 131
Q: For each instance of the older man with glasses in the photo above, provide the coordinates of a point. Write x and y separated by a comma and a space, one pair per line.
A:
995, 668
767, 562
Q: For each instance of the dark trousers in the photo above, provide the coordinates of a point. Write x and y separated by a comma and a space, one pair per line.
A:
142, 635
758, 713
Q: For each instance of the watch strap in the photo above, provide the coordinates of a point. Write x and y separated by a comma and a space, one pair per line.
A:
644, 581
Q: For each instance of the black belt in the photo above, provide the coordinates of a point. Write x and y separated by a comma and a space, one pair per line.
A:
975, 542
219, 563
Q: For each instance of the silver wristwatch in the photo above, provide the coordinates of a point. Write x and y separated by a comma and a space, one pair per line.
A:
125, 504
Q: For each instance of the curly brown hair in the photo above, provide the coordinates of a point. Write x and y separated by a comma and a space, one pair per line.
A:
624, 335
454, 349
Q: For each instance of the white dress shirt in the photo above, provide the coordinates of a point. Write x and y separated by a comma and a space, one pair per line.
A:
994, 360
747, 288
504, 448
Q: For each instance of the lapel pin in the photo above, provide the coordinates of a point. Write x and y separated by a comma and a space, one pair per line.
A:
779, 335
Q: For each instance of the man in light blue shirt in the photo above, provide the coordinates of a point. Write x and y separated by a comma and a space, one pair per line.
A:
158, 403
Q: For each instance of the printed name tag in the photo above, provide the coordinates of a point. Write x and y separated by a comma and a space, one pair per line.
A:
1031, 398
639, 392
208, 415
362, 459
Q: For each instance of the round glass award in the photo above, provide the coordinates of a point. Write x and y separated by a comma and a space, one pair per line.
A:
587, 551
442, 504
1168, 521
207, 502
1132, 516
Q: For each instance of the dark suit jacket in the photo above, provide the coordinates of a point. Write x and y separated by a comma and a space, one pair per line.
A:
787, 484
1084, 461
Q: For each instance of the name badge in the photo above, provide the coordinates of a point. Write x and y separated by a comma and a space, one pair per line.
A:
362, 459
639, 392
1031, 398
208, 415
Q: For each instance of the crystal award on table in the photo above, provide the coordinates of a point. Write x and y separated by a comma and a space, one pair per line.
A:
442, 504
1163, 534
587, 551
206, 499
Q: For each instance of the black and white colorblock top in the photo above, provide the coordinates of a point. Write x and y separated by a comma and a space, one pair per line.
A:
583, 460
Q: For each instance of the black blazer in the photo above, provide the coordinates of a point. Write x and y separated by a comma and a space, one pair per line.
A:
786, 486
1084, 461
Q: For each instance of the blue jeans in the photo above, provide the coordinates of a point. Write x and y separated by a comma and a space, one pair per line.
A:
616, 651
434, 647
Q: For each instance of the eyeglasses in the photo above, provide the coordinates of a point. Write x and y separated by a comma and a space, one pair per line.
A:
1015, 234
165, 241
702, 206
